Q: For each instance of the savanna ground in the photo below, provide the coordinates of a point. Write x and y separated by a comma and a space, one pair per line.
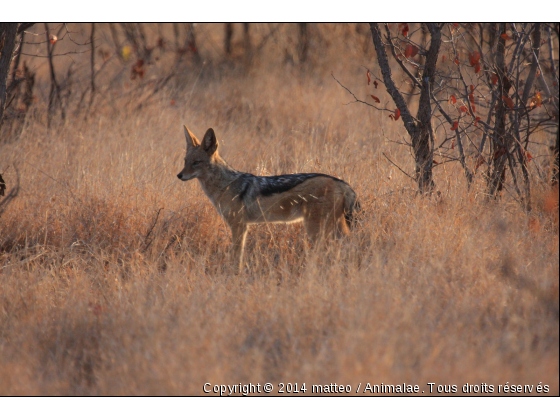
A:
115, 276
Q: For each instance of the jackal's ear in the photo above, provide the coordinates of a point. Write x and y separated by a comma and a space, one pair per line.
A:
209, 142
191, 139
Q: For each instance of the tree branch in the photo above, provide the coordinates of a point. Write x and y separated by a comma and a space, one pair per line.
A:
24, 27
389, 83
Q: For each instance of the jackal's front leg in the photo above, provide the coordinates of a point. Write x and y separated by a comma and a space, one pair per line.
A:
238, 233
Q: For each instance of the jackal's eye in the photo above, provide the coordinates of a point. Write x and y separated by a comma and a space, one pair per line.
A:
196, 162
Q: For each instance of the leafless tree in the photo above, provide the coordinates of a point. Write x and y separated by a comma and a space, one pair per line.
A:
8, 33
228, 37
420, 127
303, 42
483, 91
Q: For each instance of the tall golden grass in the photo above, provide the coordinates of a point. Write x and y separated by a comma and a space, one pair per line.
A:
115, 277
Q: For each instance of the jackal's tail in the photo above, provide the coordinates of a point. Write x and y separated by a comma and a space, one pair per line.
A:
351, 207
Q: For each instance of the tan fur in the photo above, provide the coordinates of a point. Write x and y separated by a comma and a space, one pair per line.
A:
320, 202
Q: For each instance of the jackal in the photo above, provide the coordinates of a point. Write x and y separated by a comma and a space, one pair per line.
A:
325, 204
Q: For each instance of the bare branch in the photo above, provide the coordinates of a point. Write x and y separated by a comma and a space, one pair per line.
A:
24, 27
356, 100
396, 57
388, 80
398, 167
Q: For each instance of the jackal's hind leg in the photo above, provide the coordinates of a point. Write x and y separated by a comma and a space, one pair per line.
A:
313, 229
319, 229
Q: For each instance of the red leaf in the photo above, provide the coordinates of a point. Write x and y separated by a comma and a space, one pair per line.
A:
455, 24
463, 109
526, 155
474, 58
473, 108
500, 152
476, 120
476, 68
452, 99
472, 88
137, 70
375, 84
508, 101
455, 126
471, 97
453, 144
397, 114
368, 78
494, 79
410, 51
376, 99
505, 36
457, 59
403, 27
443, 59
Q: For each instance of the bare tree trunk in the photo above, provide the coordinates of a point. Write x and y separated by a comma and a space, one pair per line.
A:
116, 42
247, 41
19, 77
191, 42
17, 57
303, 42
54, 94
92, 42
176, 34
423, 142
534, 63
492, 36
228, 36
420, 132
536, 46
556, 164
555, 148
8, 32
424, 30
500, 142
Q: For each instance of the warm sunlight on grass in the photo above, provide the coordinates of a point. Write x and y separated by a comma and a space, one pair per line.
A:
115, 277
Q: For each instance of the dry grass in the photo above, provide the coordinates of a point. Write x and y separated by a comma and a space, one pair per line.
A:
115, 276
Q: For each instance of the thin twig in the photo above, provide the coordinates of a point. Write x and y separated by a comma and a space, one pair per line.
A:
150, 231
397, 166
356, 100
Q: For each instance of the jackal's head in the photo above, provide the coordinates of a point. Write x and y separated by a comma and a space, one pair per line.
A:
199, 154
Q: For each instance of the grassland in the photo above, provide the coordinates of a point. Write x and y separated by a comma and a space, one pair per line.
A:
115, 276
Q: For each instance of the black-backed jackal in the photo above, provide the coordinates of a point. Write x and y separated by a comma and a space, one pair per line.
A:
324, 203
